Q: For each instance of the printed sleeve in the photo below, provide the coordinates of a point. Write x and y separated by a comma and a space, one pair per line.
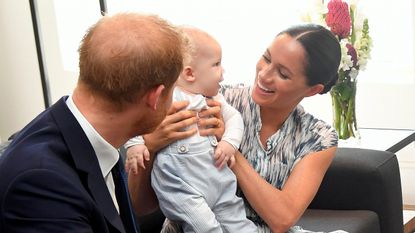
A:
318, 136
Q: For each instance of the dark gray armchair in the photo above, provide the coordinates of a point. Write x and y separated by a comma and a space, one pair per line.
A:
360, 193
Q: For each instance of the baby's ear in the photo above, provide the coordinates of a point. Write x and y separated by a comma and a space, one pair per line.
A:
188, 74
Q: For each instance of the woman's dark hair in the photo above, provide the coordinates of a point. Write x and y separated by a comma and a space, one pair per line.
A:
322, 56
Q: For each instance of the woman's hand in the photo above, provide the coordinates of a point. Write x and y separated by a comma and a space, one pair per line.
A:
211, 120
171, 128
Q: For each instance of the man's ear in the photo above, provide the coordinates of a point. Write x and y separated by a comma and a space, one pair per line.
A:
153, 96
315, 90
188, 74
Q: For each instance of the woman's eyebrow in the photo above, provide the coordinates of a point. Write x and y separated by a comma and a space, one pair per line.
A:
281, 66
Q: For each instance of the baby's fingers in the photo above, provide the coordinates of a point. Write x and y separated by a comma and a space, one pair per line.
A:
220, 158
127, 166
146, 155
134, 169
140, 161
231, 162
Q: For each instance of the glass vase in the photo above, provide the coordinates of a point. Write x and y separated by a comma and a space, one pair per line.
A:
343, 96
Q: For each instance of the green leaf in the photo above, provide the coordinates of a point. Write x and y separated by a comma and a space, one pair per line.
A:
344, 90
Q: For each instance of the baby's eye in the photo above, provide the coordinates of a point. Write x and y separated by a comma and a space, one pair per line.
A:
217, 63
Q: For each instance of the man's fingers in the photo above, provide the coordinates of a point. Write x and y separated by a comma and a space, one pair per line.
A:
177, 106
186, 119
213, 111
178, 117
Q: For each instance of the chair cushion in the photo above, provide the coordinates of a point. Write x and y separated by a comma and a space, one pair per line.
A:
352, 221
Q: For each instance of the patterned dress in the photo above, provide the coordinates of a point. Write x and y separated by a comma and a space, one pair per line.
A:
300, 135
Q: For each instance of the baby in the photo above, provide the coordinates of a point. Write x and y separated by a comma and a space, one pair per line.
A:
190, 189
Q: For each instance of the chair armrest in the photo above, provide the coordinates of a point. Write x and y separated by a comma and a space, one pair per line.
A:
363, 179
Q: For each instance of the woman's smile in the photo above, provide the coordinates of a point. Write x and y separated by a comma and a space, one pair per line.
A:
261, 88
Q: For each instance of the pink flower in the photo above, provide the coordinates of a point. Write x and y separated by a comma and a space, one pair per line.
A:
351, 51
338, 18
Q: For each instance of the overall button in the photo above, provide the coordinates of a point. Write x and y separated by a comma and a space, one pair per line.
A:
213, 141
182, 149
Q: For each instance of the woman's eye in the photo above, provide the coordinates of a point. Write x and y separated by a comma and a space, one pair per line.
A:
283, 76
217, 63
266, 58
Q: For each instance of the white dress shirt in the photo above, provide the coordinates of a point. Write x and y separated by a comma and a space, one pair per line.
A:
106, 154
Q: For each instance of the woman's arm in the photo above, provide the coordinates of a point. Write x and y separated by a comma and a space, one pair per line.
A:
281, 209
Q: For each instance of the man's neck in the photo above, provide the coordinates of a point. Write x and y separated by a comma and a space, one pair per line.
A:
106, 120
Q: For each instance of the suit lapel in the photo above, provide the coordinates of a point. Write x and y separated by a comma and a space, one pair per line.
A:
85, 160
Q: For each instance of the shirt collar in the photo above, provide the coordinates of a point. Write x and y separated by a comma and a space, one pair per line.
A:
107, 155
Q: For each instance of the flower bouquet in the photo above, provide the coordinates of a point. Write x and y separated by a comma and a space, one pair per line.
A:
352, 30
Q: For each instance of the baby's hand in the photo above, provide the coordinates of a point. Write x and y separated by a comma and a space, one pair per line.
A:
224, 153
135, 157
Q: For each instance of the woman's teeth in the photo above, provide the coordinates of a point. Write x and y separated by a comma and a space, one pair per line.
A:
264, 89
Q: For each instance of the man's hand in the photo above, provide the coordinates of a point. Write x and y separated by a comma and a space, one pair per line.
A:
171, 128
211, 121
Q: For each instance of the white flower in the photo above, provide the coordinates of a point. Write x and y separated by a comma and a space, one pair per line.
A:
346, 61
315, 13
363, 47
353, 73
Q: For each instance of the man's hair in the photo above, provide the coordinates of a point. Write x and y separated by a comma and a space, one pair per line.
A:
124, 55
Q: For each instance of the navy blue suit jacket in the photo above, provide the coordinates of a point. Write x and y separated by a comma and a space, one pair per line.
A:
50, 179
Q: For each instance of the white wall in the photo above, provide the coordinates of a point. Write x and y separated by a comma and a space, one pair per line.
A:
20, 87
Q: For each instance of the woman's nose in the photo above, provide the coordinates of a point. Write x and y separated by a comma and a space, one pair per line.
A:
265, 72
